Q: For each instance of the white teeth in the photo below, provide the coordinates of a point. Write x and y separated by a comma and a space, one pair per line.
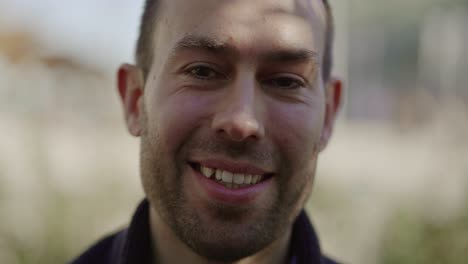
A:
255, 179
219, 174
248, 179
227, 177
238, 178
208, 172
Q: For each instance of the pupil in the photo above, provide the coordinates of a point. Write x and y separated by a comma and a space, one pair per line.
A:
203, 72
283, 82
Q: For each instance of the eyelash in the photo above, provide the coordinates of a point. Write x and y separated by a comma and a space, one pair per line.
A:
297, 83
190, 71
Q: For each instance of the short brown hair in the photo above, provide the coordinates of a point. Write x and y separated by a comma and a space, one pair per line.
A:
145, 52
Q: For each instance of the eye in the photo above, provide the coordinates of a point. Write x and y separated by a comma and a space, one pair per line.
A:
285, 83
202, 72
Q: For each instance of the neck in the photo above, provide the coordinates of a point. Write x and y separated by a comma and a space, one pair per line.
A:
168, 248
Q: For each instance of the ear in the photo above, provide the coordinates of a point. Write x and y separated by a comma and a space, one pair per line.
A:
333, 95
130, 86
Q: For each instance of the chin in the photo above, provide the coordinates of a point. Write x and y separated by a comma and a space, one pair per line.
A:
228, 246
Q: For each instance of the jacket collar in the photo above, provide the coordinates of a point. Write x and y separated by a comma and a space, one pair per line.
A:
133, 245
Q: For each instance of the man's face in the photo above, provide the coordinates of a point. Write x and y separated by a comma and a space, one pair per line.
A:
235, 95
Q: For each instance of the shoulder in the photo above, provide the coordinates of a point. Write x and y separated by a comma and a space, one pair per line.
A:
107, 250
131, 245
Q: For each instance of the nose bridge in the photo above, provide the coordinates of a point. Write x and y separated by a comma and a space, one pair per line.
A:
241, 97
237, 115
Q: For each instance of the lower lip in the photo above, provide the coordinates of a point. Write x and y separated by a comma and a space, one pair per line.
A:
218, 192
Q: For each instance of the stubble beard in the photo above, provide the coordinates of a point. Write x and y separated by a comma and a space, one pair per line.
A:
230, 239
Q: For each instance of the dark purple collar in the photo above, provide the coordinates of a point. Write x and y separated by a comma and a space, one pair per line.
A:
133, 245
304, 246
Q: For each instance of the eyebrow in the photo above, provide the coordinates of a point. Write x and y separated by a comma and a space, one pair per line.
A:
291, 55
202, 42
216, 46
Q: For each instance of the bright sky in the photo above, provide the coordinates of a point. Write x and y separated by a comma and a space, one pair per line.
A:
100, 33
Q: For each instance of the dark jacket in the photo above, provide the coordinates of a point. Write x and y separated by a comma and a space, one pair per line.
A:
133, 244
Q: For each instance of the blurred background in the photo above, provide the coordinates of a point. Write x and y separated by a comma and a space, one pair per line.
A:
391, 187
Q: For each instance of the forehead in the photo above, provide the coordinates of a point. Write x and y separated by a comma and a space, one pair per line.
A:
248, 25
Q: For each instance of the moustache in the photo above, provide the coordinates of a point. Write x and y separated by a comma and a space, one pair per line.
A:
252, 151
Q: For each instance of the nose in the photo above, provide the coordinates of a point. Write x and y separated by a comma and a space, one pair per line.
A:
238, 115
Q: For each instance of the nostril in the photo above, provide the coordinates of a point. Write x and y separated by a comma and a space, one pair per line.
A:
236, 134
239, 131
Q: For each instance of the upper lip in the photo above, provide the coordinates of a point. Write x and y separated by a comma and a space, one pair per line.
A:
240, 167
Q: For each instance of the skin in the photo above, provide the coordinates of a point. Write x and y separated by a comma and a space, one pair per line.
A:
256, 99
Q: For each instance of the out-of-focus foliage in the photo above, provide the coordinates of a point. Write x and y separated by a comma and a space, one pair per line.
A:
391, 186
411, 238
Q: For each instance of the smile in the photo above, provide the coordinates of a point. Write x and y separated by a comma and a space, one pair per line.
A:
229, 179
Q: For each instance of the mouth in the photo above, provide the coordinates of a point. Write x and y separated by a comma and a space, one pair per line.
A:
230, 179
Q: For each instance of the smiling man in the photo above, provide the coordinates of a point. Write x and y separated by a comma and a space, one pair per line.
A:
233, 102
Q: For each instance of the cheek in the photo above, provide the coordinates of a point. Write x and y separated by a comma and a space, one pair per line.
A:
177, 117
296, 129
